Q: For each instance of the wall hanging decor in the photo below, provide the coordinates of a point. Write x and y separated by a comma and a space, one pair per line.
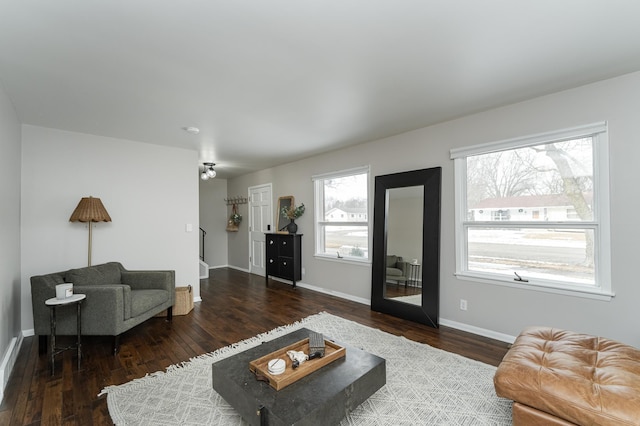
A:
235, 200
234, 219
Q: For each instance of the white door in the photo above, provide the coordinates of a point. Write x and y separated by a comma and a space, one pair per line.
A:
260, 222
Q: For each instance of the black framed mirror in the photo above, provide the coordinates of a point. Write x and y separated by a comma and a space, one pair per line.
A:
405, 274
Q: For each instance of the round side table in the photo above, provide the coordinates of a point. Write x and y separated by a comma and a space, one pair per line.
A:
414, 273
53, 303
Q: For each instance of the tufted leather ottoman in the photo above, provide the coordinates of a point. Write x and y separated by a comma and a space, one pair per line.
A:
558, 377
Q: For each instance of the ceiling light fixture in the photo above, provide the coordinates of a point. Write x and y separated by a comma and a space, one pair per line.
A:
208, 172
192, 130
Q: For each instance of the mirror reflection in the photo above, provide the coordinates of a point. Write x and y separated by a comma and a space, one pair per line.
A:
403, 275
282, 221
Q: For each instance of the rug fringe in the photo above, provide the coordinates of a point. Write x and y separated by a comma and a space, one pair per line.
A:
212, 356
135, 383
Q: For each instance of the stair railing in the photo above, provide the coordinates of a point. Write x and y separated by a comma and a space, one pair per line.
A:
203, 233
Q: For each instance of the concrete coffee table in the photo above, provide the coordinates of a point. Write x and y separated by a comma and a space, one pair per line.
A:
323, 397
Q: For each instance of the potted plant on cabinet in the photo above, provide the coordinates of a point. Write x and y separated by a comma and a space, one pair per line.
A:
293, 212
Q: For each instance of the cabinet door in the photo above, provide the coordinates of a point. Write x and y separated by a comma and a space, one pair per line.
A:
286, 265
285, 246
271, 262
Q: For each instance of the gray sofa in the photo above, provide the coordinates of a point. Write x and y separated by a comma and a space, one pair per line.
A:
396, 269
117, 300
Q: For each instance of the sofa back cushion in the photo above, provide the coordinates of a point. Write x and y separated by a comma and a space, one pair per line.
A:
392, 260
108, 273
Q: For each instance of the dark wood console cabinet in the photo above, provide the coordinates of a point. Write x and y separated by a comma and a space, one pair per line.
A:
284, 257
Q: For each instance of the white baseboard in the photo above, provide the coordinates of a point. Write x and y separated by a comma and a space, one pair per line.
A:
8, 362
477, 330
236, 268
332, 292
221, 266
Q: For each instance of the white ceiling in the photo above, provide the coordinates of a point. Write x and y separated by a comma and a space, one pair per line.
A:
272, 81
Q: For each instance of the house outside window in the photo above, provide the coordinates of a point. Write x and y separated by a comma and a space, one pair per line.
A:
533, 212
341, 214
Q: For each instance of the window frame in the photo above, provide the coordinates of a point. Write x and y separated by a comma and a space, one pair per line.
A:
602, 290
319, 225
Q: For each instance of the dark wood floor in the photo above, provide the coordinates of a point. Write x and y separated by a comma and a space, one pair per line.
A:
399, 290
235, 306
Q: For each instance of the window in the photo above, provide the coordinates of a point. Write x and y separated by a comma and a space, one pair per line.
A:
342, 209
534, 212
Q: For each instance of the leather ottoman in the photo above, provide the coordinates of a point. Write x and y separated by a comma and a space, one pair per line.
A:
558, 377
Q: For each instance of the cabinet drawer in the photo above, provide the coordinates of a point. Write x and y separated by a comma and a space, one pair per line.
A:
272, 265
271, 243
285, 247
285, 265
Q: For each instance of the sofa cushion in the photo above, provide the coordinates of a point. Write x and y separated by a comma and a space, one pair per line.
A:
143, 300
108, 273
391, 272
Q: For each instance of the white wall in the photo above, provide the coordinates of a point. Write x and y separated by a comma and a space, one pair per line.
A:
150, 192
9, 237
490, 307
213, 219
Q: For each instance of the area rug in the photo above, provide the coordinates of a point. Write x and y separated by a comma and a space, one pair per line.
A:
425, 385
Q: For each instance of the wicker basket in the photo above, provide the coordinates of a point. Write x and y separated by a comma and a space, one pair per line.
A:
183, 303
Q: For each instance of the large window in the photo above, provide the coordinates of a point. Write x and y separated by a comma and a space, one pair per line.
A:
534, 212
342, 214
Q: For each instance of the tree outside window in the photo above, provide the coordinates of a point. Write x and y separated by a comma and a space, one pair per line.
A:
531, 211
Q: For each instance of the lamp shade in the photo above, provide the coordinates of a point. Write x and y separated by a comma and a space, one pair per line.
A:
90, 209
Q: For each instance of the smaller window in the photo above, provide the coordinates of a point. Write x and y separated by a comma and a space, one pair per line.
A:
346, 192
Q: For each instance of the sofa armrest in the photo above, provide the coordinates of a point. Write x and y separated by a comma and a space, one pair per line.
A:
148, 280
43, 287
105, 307
143, 280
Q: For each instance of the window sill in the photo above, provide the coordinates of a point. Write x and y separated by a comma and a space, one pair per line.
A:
575, 292
348, 260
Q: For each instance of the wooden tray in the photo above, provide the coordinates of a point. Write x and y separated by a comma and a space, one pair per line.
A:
260, 368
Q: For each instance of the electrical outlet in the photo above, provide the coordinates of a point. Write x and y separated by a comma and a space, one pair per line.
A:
463, 304
303, 271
